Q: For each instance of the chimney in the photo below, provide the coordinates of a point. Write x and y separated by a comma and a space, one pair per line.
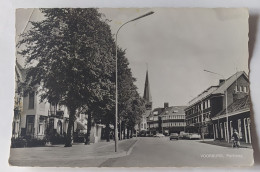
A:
166, 105
221, 81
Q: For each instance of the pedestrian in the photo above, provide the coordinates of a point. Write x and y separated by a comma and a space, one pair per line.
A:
235, 138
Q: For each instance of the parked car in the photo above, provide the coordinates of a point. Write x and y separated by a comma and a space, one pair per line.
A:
174, 136
159, 135
183, 135
142, 133
194, 136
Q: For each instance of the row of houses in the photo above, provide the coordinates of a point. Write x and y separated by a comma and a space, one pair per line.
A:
214, 113
35, 119
220, 109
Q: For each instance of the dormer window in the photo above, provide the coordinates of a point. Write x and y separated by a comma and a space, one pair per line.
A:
241, 89
245, 89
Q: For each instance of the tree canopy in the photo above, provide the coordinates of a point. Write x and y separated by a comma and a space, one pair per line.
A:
71, 55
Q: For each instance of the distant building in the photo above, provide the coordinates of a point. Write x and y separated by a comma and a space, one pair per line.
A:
173, 119
148, 104
167, 120
154, 121
206, 113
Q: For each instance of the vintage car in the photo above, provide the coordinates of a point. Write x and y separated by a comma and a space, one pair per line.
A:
159, 135
174, 136
192, 136
183, 135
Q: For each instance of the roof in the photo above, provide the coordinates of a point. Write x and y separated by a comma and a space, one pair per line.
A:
147, 92
237, 105
159, 110
220, 89
203, 95
147, 113
178, 110
20, 71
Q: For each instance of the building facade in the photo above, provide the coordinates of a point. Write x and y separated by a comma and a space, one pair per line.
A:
206, 114
167, 120
173, 119
35, 119
154, 121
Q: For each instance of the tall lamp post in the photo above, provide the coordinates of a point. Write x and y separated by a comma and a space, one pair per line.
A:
116, 115
226, 101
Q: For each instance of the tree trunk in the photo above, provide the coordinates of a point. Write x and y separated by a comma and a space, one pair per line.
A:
107, 132
124, 131
87, 142
127, 133
132, 130
120, 130
72, 112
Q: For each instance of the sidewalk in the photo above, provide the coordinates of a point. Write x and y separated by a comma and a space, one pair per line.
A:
224, 143
38, 156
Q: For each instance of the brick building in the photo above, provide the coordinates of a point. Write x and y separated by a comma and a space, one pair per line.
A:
173, 119
206, 114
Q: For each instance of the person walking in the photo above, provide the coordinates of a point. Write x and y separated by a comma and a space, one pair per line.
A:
235, 138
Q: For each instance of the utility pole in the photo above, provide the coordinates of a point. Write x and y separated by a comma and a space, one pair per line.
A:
116, 114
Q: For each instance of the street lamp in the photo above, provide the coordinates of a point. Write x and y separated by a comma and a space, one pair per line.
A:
226, 101
116, 115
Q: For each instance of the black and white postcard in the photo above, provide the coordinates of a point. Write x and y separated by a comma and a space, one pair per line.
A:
132, 87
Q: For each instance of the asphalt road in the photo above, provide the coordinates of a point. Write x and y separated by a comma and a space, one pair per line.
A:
161, 152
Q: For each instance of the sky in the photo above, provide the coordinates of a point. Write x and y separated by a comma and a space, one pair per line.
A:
176, 45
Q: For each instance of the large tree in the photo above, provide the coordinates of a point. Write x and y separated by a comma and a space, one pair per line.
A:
71, 57
131, 105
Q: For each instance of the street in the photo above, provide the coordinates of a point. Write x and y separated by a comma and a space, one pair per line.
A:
143, 152
161, 152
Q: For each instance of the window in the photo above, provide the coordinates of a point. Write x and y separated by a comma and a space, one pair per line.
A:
30, 124
236, 89
216, 130
245, 89
31, 100
221, 130
208, 103
241, 89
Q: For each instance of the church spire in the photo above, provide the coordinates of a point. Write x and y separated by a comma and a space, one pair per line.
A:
147, 92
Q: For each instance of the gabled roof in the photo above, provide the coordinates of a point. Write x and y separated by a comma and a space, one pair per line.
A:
174, 110
156, 109
237, 105
221, 89
147, 113
203, 95
218, 89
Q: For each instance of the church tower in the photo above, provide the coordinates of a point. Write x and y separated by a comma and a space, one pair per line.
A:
147, 93
148, 106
